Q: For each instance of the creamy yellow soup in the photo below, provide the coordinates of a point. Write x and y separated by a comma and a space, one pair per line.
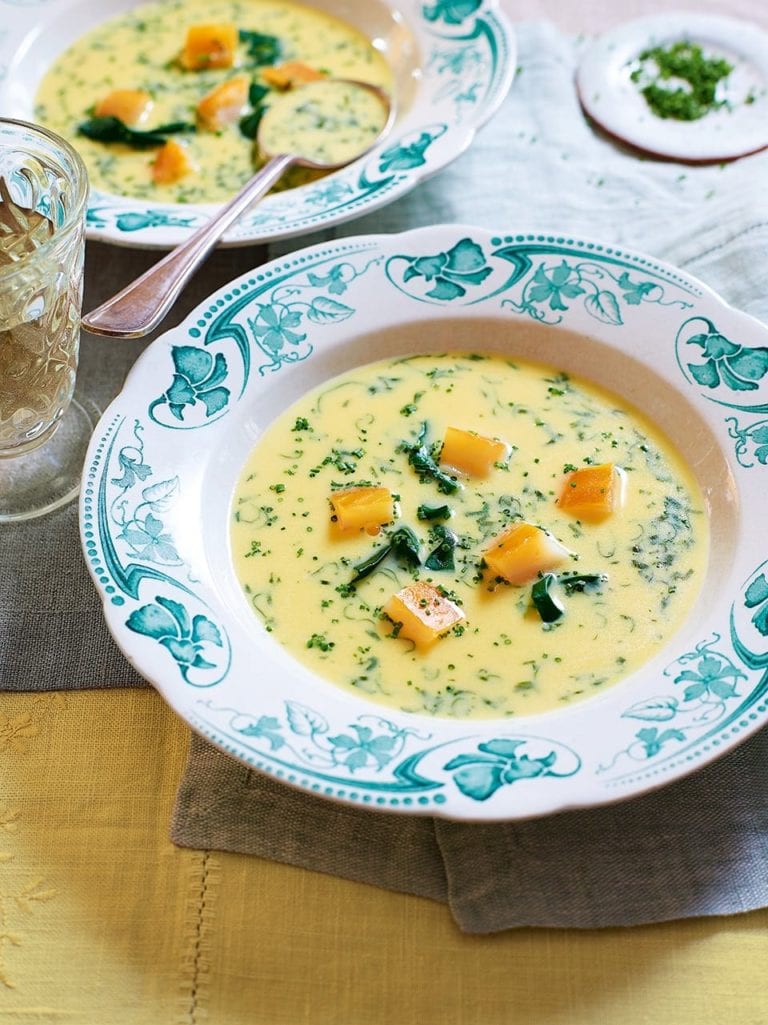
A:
140, 50
502, 658
328, 123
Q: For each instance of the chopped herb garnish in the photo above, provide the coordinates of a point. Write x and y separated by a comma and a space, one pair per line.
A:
301, 424
581, 581
442, 556
687, 62
261, 48
249, 124
421, 459
319, 641
547, 604
112, 129
256, 93
368, 565
403, 544
433, 512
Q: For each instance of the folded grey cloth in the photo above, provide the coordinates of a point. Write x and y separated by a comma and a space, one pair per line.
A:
52, 632
698, 847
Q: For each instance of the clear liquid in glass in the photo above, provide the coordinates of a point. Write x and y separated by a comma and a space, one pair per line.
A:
40, 297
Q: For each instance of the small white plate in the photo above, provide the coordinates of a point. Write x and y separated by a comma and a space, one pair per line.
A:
165, 458
615, 102
453, 64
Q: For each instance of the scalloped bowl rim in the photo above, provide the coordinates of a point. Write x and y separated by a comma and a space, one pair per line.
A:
600, 751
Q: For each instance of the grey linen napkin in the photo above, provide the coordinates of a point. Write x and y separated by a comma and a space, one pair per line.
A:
697, 847
52, 632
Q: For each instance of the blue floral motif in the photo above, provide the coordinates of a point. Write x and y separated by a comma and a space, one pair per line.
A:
138, 222
726, 363
136, 546
563, 281
374, 744
266, 727
457, 61
150, 541
552, 288
497, 763
142, 528
546, 291
651, 740
756, 597
452, 12
452, 272
409, 152
275, 328
709, 679
329, 194
130, 458
198, 378
335, 280
96, 217
370, 743
185, 638
362, 747
714, 680
755, 435
463, 69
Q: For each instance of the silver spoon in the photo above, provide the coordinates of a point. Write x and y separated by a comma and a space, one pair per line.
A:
142, 305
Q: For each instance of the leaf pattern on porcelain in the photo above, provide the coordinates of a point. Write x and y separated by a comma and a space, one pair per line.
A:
452, 12
272, 324
705, 682
137, 547
376, 744
504, 761
545, 290
188, 639
751, 441
722, 362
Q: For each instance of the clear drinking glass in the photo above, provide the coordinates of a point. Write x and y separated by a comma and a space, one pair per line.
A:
43, 432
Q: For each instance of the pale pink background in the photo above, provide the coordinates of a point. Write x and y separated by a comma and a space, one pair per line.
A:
592, 16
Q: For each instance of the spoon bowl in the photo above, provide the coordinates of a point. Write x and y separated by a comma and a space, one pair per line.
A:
323, 125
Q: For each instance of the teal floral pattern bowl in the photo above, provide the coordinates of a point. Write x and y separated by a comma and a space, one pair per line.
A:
163, 461
454, 62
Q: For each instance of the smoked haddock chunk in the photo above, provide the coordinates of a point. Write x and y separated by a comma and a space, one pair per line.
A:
522, 552
171, 163
209, 46
363, 507
423, 612
591, 493
471, 453
131, 106
223, 104
290, 74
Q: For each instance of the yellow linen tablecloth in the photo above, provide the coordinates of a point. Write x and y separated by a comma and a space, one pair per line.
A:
104, 922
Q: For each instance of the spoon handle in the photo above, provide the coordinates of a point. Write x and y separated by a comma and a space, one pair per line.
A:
140, 306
